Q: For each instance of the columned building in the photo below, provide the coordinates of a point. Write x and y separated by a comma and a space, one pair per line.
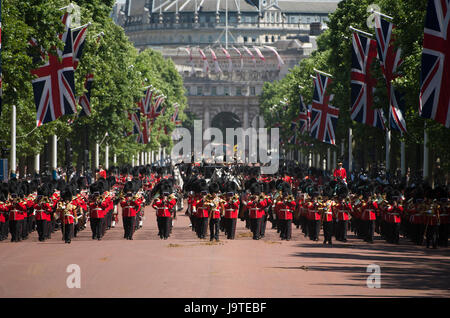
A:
183, 30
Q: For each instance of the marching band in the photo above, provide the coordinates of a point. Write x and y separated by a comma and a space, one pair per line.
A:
287, 199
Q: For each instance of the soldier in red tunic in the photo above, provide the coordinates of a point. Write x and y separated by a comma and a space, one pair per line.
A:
216, 211
43, 209
284, 208
231, 207
3, 217
130, 207
97, 207
67, 214
256, 206
342, 212
163, 206
17, 210
340, 172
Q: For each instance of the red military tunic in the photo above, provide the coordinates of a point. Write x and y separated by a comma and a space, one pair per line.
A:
328, 213
231, 209
202, 209
368, 212
340, 173
163, 207
342, 211
285, 210
43, 211
97, 211
256, 209
3, 210
129, 207
68, 214
313, 213
17, 211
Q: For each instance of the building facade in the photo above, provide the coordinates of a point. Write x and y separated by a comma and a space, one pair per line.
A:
227, 93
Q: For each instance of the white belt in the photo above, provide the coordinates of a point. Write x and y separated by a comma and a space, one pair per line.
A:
285, 210
328, 212
96, 209
229, 209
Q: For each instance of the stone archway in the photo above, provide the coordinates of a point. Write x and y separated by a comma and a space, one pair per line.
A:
224, 120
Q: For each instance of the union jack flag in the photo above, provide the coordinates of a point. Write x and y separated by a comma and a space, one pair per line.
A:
205, 61
251, 54
258, 52
390, 61
304, 117
78, 40
54, 87
135, 117
85, 100
434, 102
147, 102
174, 118
145, 132
216, 63
363, 84
228, 56
240, 56
324, 116
158, 107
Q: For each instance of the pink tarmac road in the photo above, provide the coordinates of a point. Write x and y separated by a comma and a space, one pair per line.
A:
185, 266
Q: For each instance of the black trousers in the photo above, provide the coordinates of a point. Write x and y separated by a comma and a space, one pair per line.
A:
128, 226
42, 229
15, 228
255, 227
202, 227
25, 228
443, 235
109, 219
432, 235
230, 228
97, 228
4, 230
314, 229
263, 225
68, 232
285, 229
370, 230
341, 230
327, 231
214, 229
164, 226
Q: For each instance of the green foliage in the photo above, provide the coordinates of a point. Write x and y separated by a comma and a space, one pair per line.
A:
120, 73
334, 56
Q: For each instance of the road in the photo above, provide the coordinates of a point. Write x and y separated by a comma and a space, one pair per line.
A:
185, 266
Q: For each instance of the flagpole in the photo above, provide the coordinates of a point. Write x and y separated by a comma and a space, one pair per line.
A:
350, 155
54, 162
83, 26
359, 31
381, 14
36, 164
13, 141
402, 157
388, 145
106, 156
97, 149
323, 73
425, 154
